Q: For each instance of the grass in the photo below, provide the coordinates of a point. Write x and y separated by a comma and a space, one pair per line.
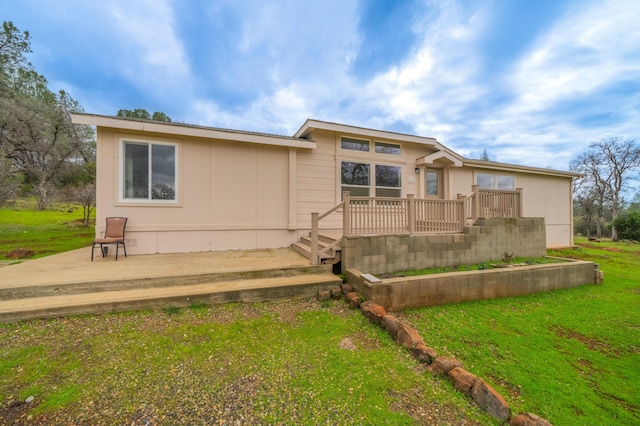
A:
46, 232
475, 267
272, 363
570, 356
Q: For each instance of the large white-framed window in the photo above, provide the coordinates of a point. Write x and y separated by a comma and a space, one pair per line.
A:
359, 178
148, 171
495, 181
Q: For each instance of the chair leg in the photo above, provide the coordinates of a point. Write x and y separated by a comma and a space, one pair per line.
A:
117, 246
124, 247
93, 246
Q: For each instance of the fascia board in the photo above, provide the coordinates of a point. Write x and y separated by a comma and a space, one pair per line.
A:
191, 131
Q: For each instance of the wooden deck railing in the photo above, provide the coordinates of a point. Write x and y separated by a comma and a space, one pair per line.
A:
378, 215
496, 203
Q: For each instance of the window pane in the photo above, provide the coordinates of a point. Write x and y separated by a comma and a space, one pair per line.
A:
354, 144
432, 182
163, 172
136, 170
387, 148
356, 191
506, 183
486, 181
354, 173
388, 192
389, 176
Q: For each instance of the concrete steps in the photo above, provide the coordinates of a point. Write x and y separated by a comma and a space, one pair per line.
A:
240, 290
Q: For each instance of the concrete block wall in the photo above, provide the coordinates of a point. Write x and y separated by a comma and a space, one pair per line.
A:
488, 240
456, 287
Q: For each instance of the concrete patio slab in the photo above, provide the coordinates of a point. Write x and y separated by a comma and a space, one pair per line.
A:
69, 283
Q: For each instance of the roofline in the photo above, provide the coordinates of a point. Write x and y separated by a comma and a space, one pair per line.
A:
180, 129
483, 164
310, 125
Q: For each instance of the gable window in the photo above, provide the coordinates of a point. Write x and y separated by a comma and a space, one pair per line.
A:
388, 181
387, 148
354, 144
495, 181
149, 171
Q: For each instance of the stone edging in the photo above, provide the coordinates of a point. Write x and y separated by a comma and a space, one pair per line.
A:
483, 394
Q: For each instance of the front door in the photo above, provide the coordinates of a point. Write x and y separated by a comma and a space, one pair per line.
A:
433, 183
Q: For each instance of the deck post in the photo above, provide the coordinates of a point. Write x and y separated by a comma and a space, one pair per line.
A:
411, 214
475, 203
346, 213
314, 239
519, 210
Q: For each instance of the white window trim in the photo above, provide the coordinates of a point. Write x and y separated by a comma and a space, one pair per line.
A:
141, 201
372, 176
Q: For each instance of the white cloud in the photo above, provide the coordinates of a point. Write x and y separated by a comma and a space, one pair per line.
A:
149, 53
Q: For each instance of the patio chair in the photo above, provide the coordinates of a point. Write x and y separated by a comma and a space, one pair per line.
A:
114, 234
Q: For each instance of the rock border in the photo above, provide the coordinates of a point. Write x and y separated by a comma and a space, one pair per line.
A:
465, 382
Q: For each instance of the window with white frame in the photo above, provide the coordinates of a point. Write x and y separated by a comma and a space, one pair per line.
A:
356, 178
149, 171
387, 148
388, 181
354, 144
495, 181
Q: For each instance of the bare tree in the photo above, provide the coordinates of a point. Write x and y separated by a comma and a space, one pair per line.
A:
39, 138
608, 166
85, 195
36, 133
8, 182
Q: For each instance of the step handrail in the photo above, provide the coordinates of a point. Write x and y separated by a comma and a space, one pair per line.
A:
315, 223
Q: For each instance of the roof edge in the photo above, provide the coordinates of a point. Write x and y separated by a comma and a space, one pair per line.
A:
484, 164
181, 129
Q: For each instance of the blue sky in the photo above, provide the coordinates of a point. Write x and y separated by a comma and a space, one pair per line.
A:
533, 82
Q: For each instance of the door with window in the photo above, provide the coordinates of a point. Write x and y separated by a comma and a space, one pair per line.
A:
433, 183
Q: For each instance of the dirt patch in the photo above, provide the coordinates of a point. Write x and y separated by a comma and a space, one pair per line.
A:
590, 342
413, 402
15, 411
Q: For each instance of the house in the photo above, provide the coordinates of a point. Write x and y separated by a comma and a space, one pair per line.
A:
189, 188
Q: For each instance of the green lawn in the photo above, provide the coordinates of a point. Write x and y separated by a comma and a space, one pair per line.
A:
262, 363
570, 356
46, 232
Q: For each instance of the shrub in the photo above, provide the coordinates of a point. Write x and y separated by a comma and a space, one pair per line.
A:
628, 226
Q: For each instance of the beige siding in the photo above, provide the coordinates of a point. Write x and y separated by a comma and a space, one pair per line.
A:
549, 197
231, 196
245, 195
317, 180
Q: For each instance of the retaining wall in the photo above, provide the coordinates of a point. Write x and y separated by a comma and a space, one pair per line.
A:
488, 240
455, 287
